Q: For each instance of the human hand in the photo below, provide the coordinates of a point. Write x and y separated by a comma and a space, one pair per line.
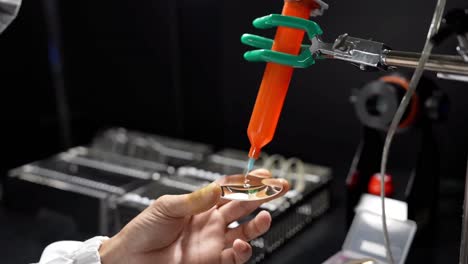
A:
190, 228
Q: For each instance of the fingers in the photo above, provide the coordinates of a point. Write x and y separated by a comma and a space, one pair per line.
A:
250, 230
238, 209
240, 252
176, 206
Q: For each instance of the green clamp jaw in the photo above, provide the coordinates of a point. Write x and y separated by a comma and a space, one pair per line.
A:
265, 54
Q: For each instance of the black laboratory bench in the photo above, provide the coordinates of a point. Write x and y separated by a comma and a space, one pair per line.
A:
23, 236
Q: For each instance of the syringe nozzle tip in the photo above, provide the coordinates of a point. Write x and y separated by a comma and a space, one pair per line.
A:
251, 164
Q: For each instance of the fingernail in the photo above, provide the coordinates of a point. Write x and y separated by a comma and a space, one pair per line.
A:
205, 194
266, 224
203, 199
264, 212
243, 246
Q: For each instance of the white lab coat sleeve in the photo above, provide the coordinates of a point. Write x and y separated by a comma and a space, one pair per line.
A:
73, 252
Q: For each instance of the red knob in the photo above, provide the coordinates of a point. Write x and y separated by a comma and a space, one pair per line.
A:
374, 185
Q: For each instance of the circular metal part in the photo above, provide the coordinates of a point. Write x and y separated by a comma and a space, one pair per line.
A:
376, 104
259, 188
411, 113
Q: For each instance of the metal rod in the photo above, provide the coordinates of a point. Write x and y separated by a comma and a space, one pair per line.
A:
52, 16
464, 237
438, 63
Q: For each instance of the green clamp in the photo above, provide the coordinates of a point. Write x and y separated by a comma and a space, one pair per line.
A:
265, 54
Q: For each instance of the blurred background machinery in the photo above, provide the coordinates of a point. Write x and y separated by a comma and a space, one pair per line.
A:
103, 186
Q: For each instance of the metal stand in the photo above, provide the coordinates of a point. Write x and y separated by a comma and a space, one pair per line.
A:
464, 235
420, 192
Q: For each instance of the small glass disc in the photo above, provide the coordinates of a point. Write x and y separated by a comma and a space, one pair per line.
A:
259, 188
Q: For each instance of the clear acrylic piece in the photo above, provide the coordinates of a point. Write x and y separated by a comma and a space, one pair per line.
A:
259, 188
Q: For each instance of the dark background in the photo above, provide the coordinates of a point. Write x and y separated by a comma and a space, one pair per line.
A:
175, 67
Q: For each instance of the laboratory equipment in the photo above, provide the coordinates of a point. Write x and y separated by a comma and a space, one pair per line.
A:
259, 188
364, 241
293, 170
92, 178
464, 234
375, 104
73, 184
371, 55
291, 213
8, 11
364, 53
151, 148
276, 78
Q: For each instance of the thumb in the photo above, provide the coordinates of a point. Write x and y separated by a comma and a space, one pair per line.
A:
176, 206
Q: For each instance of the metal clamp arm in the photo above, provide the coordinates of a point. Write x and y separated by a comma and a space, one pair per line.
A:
452, 64
368, 55
364, 53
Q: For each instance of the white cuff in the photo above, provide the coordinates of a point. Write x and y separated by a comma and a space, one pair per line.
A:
88, 253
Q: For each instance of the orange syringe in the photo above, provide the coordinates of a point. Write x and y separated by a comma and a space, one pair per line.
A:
276, 80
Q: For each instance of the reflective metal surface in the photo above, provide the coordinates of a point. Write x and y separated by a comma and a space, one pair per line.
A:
439, 63
369, 55
452, 77
464, 234
462, 47
362, 261
259, 188
362, 52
